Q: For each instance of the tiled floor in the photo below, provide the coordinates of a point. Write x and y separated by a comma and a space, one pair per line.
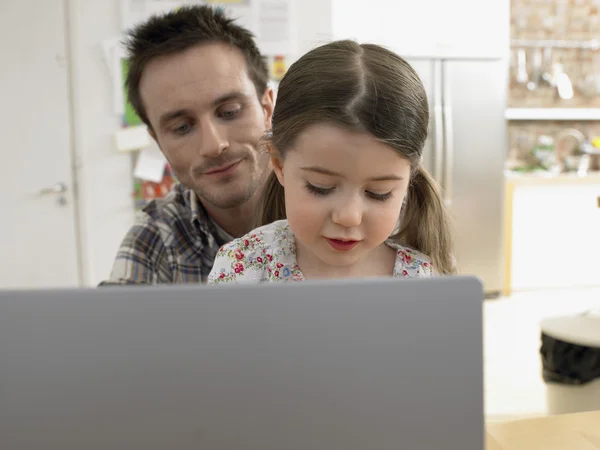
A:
513, 384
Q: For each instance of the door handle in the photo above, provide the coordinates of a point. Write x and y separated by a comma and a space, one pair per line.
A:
58, 188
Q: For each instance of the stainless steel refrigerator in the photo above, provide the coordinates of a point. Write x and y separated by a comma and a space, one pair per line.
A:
465, 153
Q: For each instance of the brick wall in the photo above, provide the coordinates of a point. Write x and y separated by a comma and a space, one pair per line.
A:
523, 135
561, 20
554, 20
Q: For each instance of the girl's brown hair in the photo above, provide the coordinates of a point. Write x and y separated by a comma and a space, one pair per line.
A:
365, 88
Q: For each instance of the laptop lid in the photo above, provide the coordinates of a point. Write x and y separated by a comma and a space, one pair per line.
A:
353, 365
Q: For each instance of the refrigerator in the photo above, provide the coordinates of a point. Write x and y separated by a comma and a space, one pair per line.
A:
465, 153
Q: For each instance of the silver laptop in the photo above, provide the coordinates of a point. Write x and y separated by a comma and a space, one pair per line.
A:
353, 365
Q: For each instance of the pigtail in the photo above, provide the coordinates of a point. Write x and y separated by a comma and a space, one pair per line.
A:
272, 202
425, 224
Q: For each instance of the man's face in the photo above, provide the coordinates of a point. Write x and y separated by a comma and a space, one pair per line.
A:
207, 120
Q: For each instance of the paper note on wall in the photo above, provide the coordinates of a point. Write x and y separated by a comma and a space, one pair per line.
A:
242, 11
135, 11
150, 164
113, 53
274, 27
132, 138
269, 20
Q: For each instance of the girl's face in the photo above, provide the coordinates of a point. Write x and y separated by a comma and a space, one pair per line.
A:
343, 195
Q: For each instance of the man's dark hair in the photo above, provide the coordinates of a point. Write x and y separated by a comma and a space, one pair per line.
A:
180, 30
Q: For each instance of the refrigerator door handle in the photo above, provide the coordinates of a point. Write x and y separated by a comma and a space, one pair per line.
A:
449, 138
438, 124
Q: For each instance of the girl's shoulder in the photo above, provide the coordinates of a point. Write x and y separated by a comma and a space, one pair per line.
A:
411, 262
250, 257
266, 237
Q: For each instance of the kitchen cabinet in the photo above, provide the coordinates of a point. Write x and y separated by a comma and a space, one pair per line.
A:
428, 28
555, 232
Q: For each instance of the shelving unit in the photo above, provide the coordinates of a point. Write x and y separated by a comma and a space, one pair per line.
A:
552, 114
591, 44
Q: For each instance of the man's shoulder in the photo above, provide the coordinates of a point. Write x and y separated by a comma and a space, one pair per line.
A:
170, 219
164, 245
174, 207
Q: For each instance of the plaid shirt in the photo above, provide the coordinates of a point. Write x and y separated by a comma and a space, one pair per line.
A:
172, 241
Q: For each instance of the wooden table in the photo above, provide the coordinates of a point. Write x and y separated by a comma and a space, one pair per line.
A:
564, 432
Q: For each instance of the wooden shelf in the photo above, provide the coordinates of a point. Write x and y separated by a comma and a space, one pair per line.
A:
552, 114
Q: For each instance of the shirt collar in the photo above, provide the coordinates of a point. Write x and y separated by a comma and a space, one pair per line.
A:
200, 218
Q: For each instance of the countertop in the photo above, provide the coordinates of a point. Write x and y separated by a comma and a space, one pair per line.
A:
541, 178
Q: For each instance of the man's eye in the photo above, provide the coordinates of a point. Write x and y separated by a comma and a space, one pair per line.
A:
230, 113
183, 129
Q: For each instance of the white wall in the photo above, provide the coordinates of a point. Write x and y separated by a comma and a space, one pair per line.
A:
104, 175
313, 21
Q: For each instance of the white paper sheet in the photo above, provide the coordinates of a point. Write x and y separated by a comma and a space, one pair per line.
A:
242, 11
269, 20
136, 11
113, 51
274, 27
150, 164
133, 138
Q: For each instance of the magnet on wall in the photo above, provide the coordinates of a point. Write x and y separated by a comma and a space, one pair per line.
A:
278, 67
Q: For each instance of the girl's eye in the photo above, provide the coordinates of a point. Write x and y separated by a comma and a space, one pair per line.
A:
318, 191
321, 192
379, 197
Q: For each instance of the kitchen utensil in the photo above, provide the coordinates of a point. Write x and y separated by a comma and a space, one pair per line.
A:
586, 86
522, 76
569, 149
547, 62
563, 82
536, 75
596, 73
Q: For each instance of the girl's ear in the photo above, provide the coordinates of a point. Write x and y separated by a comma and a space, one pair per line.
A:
276, 162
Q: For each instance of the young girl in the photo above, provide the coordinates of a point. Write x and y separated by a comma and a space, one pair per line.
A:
348, 196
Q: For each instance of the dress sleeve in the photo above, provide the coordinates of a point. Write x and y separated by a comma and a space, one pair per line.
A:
235, 263
412, 263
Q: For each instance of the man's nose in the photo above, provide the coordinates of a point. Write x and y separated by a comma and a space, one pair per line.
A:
213, 140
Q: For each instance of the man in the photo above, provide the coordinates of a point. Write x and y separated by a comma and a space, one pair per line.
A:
199, 83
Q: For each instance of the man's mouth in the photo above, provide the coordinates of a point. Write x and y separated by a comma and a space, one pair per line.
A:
223, 169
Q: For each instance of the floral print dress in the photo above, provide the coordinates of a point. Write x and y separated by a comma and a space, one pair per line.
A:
268, 255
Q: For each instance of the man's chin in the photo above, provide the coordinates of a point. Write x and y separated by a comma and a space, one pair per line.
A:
222, 200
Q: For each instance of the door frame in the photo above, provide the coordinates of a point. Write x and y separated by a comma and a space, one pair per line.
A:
74, 155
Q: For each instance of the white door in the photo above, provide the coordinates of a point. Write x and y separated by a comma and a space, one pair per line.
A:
38, 242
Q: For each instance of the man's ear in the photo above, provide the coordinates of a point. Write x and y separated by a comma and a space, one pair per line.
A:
268, 104
276, 162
